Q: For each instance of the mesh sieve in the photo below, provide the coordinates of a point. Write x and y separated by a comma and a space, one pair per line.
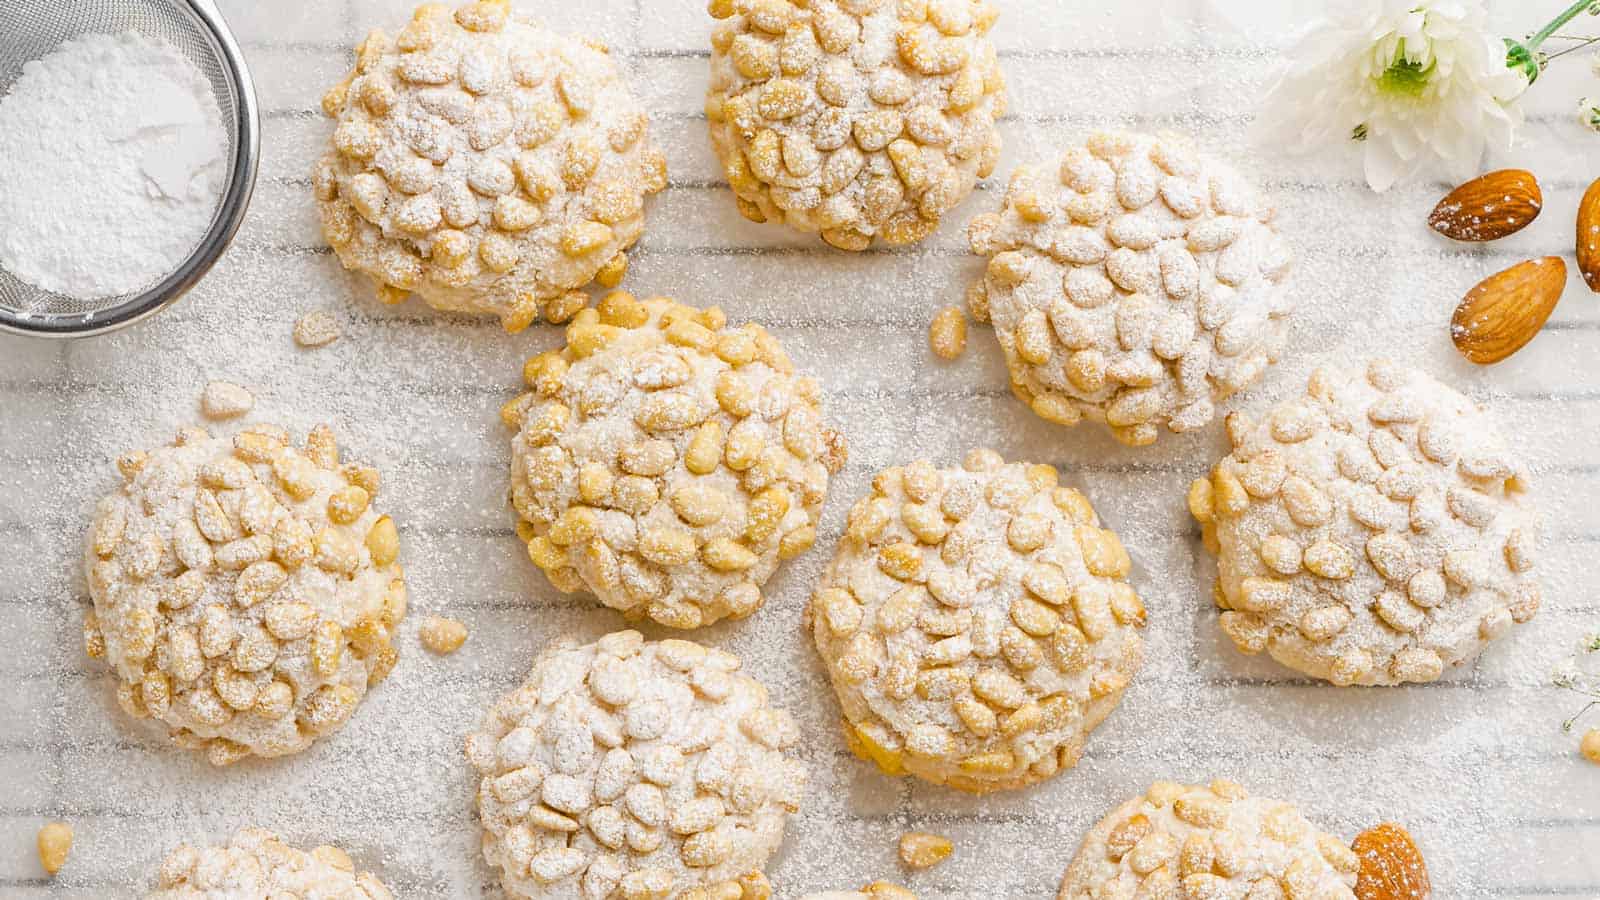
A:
30, 29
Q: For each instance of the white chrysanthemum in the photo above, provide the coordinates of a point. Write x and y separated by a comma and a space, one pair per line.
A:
1417, 82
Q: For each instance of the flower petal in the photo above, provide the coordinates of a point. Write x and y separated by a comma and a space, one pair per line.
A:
1382, 165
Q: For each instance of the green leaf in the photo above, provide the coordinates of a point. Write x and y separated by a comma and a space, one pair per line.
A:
1519, 57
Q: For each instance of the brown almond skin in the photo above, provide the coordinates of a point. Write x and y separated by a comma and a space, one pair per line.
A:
1506, 310
1589, 237
1489, 207
1391, 865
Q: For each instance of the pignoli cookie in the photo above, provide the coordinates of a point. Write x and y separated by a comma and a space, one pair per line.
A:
1203, 842
976, 623
855, 119
667, 462
245, 590
1136, 282
1375, 531
255, 863
627, 768
485, 164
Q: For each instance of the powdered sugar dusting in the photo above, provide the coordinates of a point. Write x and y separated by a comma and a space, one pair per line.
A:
1475, 766
113, 154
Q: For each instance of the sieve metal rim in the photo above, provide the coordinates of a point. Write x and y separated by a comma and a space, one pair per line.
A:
224, 223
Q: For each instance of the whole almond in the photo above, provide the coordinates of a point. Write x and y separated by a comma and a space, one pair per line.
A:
1489, 207
1504, 311
1391, 865
1589, 237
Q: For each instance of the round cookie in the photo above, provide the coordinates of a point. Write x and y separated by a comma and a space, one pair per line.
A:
1218, 841
245, 590
485, 164
254, 863
1137, 283
667, 462
976, 624
1374, 531
855, 119
650, 768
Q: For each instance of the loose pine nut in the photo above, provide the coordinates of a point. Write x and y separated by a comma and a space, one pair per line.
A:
55, 842
947, 336
316, 329
920, 850
225, 400
442, 636
1590, 745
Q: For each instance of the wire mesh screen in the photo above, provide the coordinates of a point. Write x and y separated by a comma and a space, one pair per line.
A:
30, 29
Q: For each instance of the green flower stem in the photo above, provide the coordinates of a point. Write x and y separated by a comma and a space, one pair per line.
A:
1543, 34
1567, 725
1524, 56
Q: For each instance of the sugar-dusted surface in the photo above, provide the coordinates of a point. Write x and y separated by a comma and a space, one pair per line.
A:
1476, 765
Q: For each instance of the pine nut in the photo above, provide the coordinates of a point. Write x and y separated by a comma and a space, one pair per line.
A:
55, 842
442, 636
921, 850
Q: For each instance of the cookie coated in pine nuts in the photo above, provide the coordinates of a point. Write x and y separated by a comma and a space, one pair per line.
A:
255, 863
855, 119
245, 590
627, 768
485, 164
667, 462
976, 623
1217, 841
1136, 282
1374, 531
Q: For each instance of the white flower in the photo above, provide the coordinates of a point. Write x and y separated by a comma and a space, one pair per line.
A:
1581, 671
1589, 113
1416, 82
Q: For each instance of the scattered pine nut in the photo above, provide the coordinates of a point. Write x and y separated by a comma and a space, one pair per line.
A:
442, 636
948, 333
978, 302
316, 329
919, 849
225, 400
1590, 745
55, 842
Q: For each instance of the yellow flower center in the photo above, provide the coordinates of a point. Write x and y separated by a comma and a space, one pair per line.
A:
1404, 78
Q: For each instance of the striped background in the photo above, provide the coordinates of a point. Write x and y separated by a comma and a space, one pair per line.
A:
1475, 765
